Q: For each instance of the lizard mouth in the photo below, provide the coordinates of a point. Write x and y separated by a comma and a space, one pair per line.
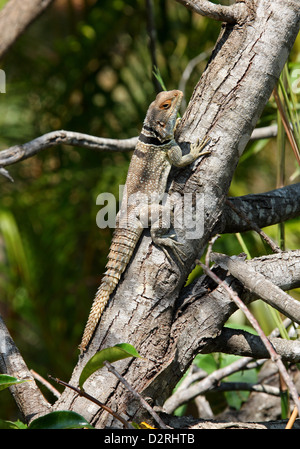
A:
173, 113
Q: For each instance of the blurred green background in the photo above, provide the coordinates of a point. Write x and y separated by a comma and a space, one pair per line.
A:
85, 65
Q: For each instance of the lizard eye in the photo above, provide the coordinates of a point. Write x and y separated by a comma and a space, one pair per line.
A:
165, 104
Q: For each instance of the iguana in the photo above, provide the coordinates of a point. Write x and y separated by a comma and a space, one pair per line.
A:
153, 157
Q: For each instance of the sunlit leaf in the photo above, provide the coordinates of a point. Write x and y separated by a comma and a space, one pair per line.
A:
7, 381
112, 354
12, 425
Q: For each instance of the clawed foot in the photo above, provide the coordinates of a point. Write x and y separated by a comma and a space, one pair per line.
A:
196, 148
169, 242
177, 123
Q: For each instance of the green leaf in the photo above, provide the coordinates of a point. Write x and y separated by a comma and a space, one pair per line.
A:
7, 381
206, 362
112, 354
12, 425
60, 420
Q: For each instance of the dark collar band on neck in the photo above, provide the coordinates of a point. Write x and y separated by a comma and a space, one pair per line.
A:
152, 140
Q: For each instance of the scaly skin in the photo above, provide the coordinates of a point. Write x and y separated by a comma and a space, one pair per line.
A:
155, 153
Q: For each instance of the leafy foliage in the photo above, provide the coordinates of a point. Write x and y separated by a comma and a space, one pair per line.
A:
9, 381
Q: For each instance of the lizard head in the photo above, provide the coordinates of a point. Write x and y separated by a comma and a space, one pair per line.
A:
162, 114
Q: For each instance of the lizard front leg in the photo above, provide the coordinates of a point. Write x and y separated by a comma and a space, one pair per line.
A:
160, 228
196, 150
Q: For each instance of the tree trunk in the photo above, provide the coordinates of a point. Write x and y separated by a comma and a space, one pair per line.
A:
146, 309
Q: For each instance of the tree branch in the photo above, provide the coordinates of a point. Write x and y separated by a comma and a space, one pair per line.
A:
18, 153
264, 209
235, 13
181, 396
226, 104
260, 286
273, 354
203, 308
239, 342
27, 395
230, 341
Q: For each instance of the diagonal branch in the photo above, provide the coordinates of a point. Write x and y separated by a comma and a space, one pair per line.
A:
27, 395
273, 354
260, 286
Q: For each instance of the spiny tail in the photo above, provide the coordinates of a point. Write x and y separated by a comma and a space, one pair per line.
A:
121, 250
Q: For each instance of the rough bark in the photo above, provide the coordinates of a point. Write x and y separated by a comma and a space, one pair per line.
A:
226, 104
27, 395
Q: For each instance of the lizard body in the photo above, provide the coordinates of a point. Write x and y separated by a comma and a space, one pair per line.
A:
154, 155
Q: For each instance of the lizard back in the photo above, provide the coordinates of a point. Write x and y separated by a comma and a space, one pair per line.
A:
147, 179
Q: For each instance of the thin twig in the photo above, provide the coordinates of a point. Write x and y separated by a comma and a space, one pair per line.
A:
6, 174
273, 355
44, 382
245, 386
254, 226
292, 419
92, 399
286, 125
144, 403
209, 248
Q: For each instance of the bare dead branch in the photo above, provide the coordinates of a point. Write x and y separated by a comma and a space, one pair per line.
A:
260, 286
5, 173
192, 383
265, 132
239, 342
230, 14
182, 396
19, 153
273, 354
